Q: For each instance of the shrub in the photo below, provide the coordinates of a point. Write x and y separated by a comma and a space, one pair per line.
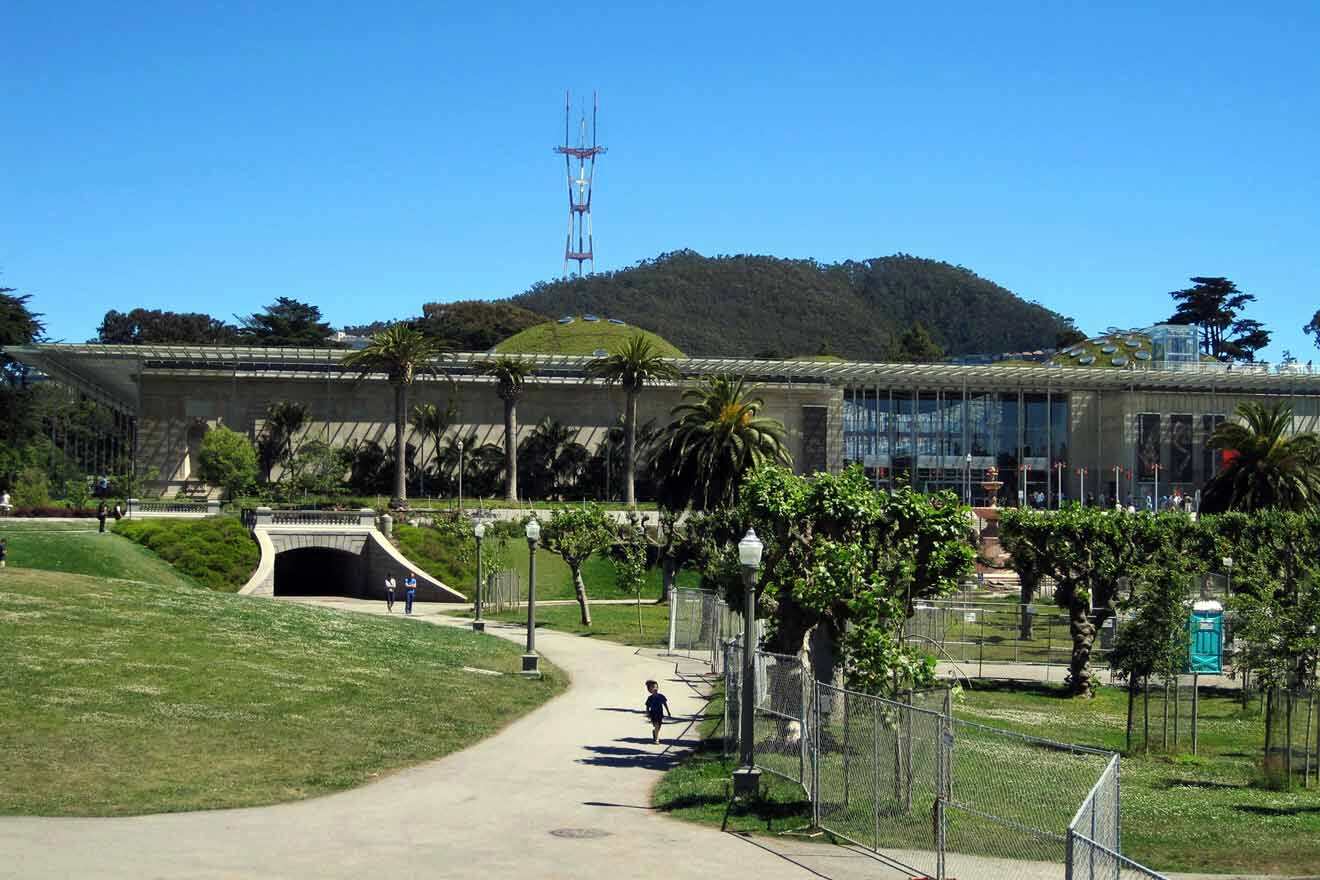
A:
50, 510
217, 552
31, 488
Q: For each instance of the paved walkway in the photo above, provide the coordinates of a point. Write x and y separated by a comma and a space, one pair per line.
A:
582, 765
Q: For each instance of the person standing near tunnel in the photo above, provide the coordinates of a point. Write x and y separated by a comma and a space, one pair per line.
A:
389, 592
409, 592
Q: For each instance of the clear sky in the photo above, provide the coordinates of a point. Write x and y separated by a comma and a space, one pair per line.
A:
210, 156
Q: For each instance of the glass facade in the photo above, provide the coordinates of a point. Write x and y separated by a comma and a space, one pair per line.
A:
948, 439
1175, 343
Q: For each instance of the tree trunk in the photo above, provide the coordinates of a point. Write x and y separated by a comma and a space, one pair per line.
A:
511, 448
1083, 637
630, 448
580, 590
400, 498
1026, 591
669, 572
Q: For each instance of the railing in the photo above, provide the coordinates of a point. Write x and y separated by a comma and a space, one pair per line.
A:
265, 517
138, 508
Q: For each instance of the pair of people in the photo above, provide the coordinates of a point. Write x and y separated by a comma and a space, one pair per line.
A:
409, 592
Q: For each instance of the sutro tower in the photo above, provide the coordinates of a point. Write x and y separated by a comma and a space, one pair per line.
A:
578, 245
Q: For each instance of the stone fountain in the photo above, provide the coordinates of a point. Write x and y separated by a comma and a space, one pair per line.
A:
988, 521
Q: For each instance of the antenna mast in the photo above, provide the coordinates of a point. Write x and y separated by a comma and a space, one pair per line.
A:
578, 245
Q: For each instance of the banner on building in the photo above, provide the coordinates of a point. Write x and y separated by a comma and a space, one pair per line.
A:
1148, 445
1180, 449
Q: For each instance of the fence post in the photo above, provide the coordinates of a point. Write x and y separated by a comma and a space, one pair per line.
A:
1068, 856
815, 755
1091, 848
875, 773
1196, 697
673, 616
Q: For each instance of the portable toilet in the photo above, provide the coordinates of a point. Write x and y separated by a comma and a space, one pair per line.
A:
1206, 632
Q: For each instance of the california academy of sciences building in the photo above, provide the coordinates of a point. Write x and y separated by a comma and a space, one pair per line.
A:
1145, 419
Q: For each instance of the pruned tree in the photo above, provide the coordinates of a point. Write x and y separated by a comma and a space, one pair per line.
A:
576, 534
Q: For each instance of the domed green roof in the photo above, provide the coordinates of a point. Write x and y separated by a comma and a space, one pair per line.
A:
583, 335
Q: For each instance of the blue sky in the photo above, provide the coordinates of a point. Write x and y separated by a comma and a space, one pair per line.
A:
369, 158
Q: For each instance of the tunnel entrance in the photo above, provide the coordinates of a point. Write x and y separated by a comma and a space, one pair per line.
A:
319, 571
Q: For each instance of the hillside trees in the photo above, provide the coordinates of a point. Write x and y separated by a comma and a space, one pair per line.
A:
285, 322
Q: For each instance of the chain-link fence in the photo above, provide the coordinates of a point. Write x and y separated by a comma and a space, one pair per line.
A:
941, 796
1002, 639
699, 625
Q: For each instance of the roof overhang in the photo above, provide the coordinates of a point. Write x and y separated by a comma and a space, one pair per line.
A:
111, 373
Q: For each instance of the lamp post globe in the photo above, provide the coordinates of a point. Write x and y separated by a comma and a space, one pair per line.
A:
479, 532
747, 779
531, 661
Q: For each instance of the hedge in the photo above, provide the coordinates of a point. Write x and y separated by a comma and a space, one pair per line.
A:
217, 552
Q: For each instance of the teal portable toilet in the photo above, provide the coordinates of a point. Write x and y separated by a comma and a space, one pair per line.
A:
1206, 631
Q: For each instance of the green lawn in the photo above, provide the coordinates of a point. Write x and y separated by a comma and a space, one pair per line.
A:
120, 698
1180, 813
77, 548
436, 555
613, 623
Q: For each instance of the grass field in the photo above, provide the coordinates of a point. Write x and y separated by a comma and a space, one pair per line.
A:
1180, 813
613, 623
77, 548
119, 698
438, 558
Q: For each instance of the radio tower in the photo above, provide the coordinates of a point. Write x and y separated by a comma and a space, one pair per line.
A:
578, 245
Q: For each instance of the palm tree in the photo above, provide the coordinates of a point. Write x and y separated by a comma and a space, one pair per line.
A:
715, 438
430, 422
1266, 468
284, 419
632, 367
510, 376
401, 353
551, 460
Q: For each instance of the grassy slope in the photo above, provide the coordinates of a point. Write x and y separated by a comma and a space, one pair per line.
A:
613, 623
119, 698
76, 548
581, 337
217, 552
437, 557
1179, 813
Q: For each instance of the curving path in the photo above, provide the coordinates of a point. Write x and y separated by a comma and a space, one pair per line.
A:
582, 765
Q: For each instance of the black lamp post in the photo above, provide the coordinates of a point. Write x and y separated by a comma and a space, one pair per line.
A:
747, 779
531, 661
479, 531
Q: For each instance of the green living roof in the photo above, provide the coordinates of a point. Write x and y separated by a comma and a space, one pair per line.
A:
581, 337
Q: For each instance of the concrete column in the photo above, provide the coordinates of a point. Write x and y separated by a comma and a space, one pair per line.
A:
367, 518
387, 525
264, 516
212, 507
132, 506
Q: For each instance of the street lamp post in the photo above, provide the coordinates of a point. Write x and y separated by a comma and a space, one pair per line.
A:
531, 661
460, 475
1058, 470
967, 479
1228, 575
479, 532
1081, 492
1156, 469
747, 779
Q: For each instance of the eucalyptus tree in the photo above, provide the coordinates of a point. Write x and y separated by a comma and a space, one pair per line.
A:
402, 354
634, 366
511, 377
1266, 467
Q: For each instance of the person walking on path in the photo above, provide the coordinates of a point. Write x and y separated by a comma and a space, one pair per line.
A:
656, 707
389, 592
409, 592
101, 513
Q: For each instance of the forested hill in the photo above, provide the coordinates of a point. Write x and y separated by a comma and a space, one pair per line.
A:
754, 305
